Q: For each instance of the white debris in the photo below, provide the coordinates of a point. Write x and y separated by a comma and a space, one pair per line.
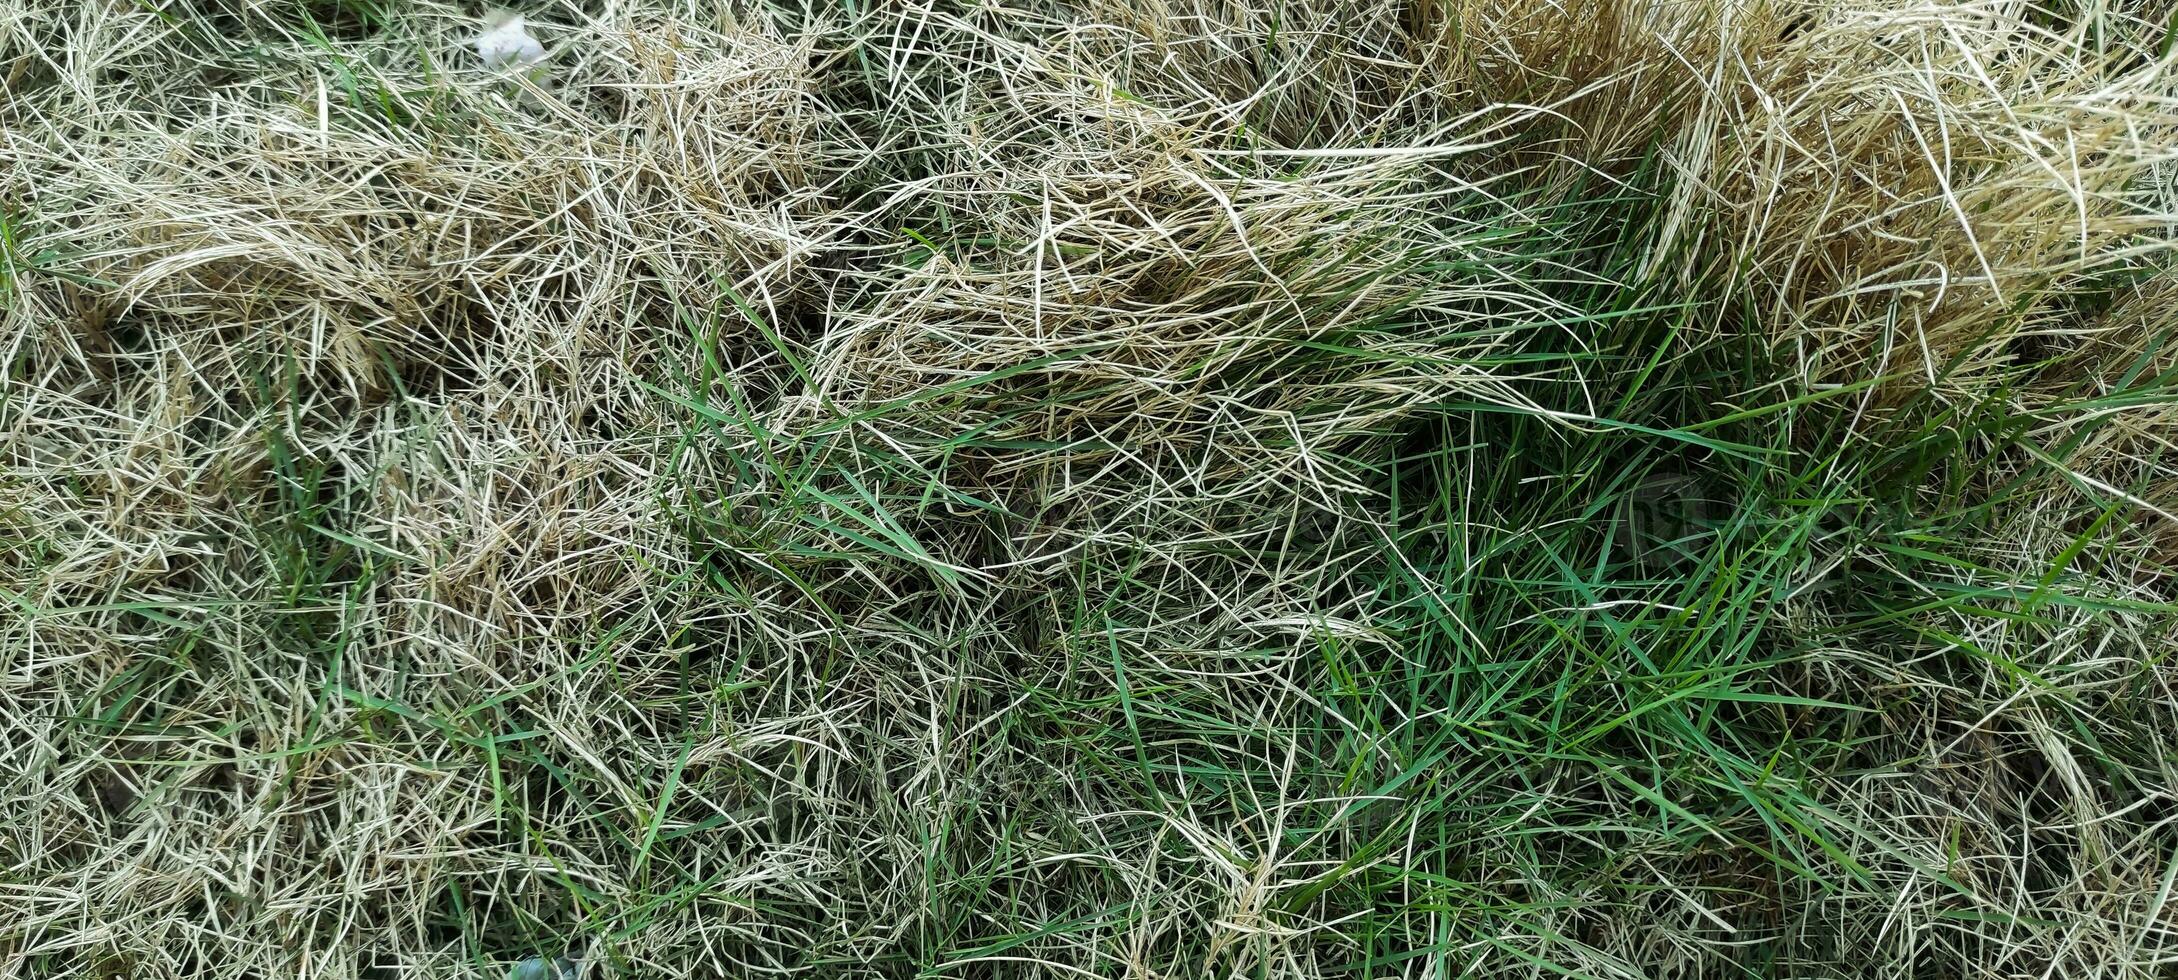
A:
539, 968
506, 41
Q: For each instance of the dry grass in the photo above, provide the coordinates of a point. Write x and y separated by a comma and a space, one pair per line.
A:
1131, 488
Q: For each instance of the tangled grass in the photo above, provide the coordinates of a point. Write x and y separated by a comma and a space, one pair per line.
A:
1113, 488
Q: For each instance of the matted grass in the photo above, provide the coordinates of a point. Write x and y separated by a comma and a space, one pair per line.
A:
1123, 488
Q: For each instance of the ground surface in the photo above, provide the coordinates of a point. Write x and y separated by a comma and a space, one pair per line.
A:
1128, 488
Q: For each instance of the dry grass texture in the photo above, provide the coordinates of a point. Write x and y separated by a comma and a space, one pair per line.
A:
1121, 488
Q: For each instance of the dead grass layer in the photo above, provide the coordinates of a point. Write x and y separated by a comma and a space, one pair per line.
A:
1117, 488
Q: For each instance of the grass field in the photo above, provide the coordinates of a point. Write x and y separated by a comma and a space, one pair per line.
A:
1264, 489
